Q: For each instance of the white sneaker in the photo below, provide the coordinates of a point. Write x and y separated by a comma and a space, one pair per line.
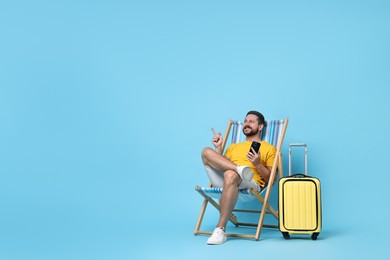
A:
245, 173
218, 237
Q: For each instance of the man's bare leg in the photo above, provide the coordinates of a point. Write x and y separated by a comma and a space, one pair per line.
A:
217, 161
229, 197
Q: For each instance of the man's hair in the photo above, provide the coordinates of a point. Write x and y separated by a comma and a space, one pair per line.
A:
260, 117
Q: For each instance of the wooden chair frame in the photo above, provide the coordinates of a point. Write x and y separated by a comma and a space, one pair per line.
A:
264, 201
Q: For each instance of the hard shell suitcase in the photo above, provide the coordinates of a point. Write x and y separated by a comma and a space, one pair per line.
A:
299, 202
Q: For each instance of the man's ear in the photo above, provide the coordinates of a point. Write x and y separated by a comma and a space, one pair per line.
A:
261, 126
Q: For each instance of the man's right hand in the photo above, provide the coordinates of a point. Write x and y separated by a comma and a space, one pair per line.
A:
217, 139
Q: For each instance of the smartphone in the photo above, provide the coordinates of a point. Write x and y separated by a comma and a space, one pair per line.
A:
255, 146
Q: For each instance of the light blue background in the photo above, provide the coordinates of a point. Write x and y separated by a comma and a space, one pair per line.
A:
105, 107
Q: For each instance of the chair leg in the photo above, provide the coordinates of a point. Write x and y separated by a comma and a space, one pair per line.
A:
280, 166
263, 212
201, 215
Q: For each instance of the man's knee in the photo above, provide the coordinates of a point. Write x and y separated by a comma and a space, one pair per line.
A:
206, 152
232, 178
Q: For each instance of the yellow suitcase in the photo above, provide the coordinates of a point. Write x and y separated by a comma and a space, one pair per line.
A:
299, 202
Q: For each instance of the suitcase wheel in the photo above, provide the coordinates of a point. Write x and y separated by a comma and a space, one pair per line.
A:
286, 235
314, 236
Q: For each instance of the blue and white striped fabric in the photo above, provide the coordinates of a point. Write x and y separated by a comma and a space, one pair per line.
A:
237, 130
271, 132
216, 193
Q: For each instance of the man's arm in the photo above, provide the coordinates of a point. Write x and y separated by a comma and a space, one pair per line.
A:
264, 171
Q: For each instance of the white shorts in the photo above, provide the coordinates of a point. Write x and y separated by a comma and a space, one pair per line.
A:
217, 180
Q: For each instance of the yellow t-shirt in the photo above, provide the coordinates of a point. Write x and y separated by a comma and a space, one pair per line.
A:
237, 154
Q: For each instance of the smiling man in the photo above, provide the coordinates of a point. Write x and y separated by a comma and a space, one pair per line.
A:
239, 168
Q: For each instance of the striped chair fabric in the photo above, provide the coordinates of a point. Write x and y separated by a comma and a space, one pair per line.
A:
216, 193
271, 131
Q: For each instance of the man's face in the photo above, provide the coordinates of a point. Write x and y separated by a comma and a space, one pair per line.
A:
251, 126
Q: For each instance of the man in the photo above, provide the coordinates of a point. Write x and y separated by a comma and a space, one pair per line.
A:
241, 167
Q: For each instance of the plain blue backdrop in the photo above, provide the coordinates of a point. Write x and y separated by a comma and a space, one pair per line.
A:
105, 107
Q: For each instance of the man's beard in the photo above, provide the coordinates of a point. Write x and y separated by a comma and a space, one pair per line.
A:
251, 133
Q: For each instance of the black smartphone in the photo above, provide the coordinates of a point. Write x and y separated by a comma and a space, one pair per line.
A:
255, 146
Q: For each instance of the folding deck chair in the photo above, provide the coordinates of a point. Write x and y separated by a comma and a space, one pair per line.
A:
273, 133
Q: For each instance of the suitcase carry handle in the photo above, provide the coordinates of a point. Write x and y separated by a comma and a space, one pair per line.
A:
289, 156
299, 175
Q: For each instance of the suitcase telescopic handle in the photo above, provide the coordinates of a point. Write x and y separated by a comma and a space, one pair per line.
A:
290, 159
